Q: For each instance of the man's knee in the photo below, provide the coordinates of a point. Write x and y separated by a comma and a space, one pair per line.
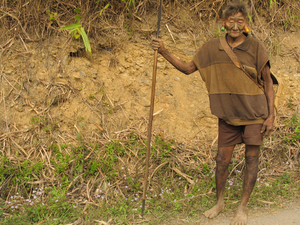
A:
252, 160
222, 161
252, 154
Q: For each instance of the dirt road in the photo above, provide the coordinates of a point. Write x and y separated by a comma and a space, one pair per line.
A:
289, 215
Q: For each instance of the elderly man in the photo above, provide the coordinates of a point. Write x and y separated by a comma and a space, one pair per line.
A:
236, 71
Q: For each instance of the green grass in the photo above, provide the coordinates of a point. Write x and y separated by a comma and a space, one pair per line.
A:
113, 174
171, 198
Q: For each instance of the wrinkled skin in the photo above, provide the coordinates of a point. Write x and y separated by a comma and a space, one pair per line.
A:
235, 26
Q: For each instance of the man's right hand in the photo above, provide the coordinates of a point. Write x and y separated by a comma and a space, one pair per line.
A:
157, 44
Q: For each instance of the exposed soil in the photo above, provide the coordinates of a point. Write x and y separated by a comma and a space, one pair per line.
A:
50, 80
288, 215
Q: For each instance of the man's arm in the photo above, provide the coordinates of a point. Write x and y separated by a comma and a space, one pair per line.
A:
186, 68
268, 86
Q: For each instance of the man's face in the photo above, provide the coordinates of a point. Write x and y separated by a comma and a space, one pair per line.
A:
235, 25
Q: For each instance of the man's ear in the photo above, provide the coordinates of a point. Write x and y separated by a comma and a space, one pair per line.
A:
223, 22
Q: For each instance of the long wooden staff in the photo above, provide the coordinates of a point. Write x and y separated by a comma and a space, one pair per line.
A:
151, 112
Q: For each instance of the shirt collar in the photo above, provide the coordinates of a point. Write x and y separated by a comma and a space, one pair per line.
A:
244, 46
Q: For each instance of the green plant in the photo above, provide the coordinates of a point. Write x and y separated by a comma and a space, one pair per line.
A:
113, 150
217, 33
77, 30
164, 148
93, 168
293, 126
285, 178
271, 2
205, 169
250, 18
102, 90
134, 184
52, 16
92, 96
129, 3
129, 30
48, 129
1, 207
291, 19
102, 10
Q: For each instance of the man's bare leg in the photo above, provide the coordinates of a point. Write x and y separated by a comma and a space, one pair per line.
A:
223, 160
251, 156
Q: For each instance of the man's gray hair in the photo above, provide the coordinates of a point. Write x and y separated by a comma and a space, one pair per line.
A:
235, 7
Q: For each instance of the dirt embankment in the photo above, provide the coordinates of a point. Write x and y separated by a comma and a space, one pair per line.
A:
111, 89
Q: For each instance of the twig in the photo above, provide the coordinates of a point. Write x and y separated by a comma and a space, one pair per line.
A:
101, 222
5, 114
90, 152
171, 34
196, 5
236, 167
161, 165
22, 150
23, 43
266, 202
187, 177
158, 112
184, 199
110, 100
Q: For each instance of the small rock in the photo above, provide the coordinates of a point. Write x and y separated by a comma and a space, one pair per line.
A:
8, 72
121, 69
59, 75
128, 60
176, 78
161, 65
66, 60
166, 72
94, 75
77, 76
82, 73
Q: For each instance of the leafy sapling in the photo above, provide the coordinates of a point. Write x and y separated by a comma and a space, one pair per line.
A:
77, 30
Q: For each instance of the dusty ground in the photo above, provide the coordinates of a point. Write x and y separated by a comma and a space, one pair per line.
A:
288, 215
48, 80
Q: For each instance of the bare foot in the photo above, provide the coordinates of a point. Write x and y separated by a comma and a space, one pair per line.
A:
241, 216
214, 211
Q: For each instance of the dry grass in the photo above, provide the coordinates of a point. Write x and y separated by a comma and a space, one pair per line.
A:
29, 21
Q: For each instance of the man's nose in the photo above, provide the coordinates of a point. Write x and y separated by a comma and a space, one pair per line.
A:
235, 26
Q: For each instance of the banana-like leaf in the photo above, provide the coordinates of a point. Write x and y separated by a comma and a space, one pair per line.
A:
71, 31
71, 26
85, 40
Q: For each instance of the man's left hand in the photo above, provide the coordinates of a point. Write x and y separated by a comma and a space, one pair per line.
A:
268, 125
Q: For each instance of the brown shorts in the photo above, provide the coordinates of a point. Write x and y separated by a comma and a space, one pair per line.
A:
230, 135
